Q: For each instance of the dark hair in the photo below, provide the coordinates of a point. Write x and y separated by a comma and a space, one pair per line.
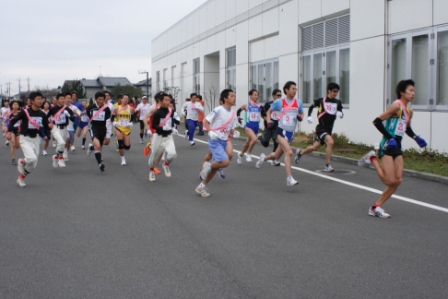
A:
33, 95
125, 94
67, 94
252, 91
15, 101
100, 94
45, 102
275, 91
288, 85
332, 86
59, 95
193, 94
160, 95
187, 99
120, 96
402, 86
106, 92
225, 94
73, 92
199, 96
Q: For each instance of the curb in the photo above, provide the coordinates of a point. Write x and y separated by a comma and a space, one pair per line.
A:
406, 172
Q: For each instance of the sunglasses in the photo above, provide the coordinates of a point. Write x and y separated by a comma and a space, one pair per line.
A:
278, 95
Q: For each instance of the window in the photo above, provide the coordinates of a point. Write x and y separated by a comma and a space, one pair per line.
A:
157, 81
165, 82
173, 73
231, 69
264, 78
196, 76
422, 56
326, 58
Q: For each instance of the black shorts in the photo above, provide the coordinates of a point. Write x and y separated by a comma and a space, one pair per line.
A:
15, 131
394, 153
99, 133
142, 124
321, 131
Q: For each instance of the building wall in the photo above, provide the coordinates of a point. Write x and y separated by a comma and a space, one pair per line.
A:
263, 30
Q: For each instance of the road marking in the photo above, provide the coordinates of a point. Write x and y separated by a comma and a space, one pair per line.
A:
402, 198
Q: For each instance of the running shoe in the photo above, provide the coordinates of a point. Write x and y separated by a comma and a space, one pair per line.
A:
21, 166
186, 134
290, 181
7, 143
275, 162
55, 161
166, 169
378, 212
366, 160
328, 168
61, 162
90, 149
44, 153
101, 166
65, 155
141, 141
192, 143
222, 175
72, 148
205, 171
248, 158
152, 176
21, 181
260, 161
239, 160
123, 161
14, 162
202, 191
156, 170
83, 147
298, 156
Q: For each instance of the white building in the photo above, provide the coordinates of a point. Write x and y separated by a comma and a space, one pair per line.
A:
366, 46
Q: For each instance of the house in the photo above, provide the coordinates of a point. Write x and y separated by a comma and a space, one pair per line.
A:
91, 86
145, 87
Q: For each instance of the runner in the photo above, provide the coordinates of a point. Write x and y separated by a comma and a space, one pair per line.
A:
290, 110
142, 110
46, 109
393, 124
14, 136
5, 110
162, 122
123, 125
71, 125
148, 119
252, 120
83, 127
200, 117
327, 110
219, 123
269, 134
31, 120
98, 115
192, 107
80, 108
60, 116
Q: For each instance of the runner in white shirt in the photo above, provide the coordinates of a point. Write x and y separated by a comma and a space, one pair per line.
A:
219, 124
142, 109
192, 107
70, 127
4, 118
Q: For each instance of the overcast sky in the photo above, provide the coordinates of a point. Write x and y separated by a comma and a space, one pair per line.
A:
50, 41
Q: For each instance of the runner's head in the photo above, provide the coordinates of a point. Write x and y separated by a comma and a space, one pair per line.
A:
405, 89
253, 95
290, 89
36, 100
193, 97
46, 105
61, 99
159, 96
100, 98
165, 102
84, 103
15, 105
107, 94
276, 94
68, 99
119, 99
145, 99
332, 90
227, 97
74, 96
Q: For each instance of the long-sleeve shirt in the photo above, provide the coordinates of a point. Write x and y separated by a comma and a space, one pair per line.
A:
62, 120
26, 128
192, 110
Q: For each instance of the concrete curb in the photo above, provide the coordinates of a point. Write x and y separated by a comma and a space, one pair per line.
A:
406, 172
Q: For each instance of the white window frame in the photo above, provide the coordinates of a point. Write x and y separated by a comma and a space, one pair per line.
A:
197, 76
230, 71
157, 81
265, 96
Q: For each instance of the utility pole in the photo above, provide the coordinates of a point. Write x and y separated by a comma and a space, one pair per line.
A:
9, 89
147, 81
19, 86
28, 79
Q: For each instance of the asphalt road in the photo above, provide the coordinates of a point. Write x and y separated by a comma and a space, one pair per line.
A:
77, 233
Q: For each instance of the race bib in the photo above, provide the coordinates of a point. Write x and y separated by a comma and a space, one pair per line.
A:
123, 122
84, 118
99, 117
254, 116
331, 108
168, 125
289, 119
38, 121
61, 119
17, 124
401, 128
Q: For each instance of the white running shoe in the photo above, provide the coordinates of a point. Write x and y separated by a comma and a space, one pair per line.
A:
83, 147
123, 161
248, 158
328, 168
65, 155
239, 160
61, 162
221, 173
72, 148
275, 162
7, 143
192, 143
366, 160
141, 141
202, 191
21, 166
166, 169
298, 156
291, 182
260, 161
44, 153
205, 171
89, 149
152, 176
55, 161
21, 182
378, 212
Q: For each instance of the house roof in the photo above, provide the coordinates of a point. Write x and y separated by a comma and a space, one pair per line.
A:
112, 81
91, 83
143, 82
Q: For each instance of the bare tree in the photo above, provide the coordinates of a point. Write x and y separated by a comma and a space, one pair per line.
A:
211, 97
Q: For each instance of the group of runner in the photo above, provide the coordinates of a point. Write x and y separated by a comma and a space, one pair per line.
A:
159, 121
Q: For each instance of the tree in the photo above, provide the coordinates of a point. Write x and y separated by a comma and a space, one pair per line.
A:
211, 97
74, 85
128, 89
174, 91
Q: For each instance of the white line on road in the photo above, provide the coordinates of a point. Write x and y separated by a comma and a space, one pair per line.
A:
402, 198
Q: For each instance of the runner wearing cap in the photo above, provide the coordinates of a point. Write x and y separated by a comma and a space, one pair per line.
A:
142, 109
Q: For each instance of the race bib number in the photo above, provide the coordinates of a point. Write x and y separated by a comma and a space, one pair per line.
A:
401, 128
84, 118
123, 123
61, 119
288, 119
254, 116
168, 125
144, 111
17, 124
331, 108
100, 116
38, 121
